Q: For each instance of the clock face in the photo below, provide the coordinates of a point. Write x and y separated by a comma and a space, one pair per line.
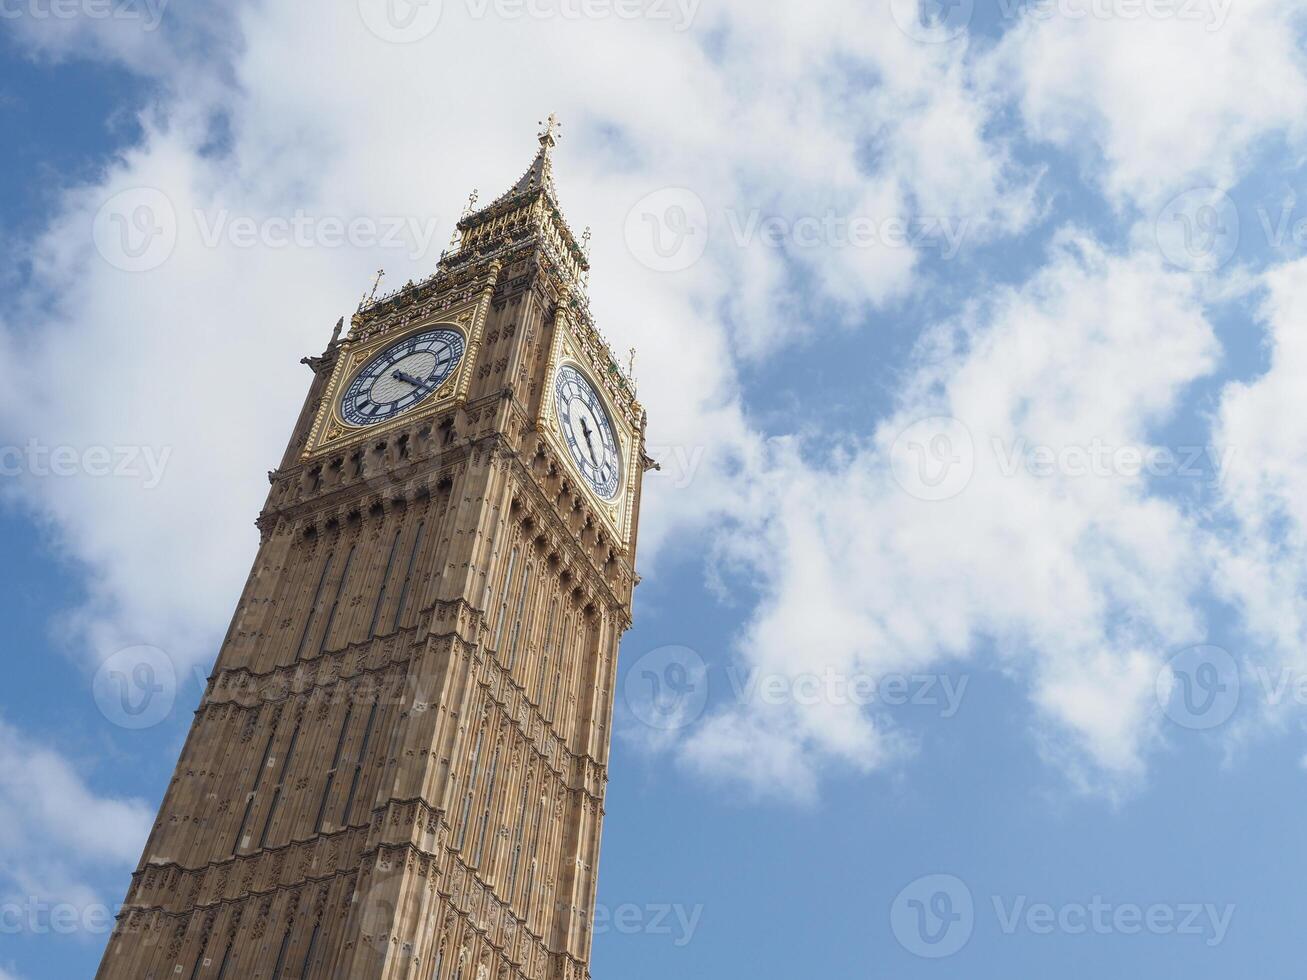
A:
402, 376
587, 431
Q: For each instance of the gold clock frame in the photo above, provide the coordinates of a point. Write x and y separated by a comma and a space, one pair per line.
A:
330, 431
617, 513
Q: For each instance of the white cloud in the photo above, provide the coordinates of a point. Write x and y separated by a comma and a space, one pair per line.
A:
793, 113
57, 829
1262, 561
199, 356
1079, 583
1154, 105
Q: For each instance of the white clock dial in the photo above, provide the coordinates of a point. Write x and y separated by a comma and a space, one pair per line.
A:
588, 431
402, 376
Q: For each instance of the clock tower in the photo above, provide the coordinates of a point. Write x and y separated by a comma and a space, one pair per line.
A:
398, 766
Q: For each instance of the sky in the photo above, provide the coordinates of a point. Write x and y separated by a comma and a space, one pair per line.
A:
970, 640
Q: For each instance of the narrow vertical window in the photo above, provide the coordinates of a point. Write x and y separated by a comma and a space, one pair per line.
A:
546, 648
517, 616
471, 788
358, 766
517, 837
313, 609
440, 961
503, 604
335, 603
249, 800
335, 767
534, 850
281, 953
199, 962
561, 661
385, 579
308, 956
408, 575
226, 959
281, 782
485, 815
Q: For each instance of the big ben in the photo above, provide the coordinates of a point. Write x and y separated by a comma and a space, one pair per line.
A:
398, 766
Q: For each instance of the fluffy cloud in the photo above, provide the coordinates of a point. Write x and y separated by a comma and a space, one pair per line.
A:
1262, 560
999, 507
57, 828
196, 356
1158, 98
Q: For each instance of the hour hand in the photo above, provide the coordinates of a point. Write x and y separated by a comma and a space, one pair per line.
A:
405, 376
589, 441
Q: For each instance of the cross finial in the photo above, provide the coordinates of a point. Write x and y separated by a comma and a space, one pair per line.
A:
553, 130
630, 368
457, 238
369, 297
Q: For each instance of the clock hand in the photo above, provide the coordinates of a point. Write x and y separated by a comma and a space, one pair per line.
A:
404, 376
589, 442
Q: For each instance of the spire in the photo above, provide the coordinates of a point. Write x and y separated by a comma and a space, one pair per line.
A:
541, 172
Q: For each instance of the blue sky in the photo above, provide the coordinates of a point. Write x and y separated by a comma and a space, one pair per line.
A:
916, 293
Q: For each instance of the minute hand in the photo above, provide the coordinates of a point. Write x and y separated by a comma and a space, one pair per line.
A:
405, 376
